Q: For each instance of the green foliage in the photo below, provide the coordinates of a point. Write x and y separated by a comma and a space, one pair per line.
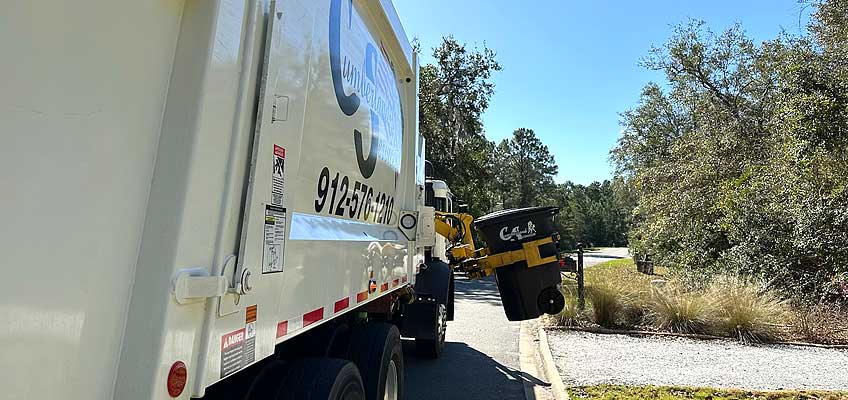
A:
453, 94
741, 166
597, 214
525, 170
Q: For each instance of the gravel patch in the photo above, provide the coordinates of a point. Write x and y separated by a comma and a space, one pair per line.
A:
585, 359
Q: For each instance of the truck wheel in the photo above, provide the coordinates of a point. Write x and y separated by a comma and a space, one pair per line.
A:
432, 348
376, 349
322, 379
267, 383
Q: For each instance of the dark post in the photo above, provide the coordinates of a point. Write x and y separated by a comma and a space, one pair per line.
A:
581, 300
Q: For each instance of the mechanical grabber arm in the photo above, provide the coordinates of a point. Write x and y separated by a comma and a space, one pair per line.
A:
478, 263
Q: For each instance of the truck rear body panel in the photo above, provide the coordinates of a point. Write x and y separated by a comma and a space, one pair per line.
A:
145, 139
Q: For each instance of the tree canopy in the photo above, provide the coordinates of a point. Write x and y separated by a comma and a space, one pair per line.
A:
518, 172
525, 170
454, 92
741, 164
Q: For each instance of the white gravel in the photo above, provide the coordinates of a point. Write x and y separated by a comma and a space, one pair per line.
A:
591, 359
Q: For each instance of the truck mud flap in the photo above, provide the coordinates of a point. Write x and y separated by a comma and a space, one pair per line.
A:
419, 320
433, 282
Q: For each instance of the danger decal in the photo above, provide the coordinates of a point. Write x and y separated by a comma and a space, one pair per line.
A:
232, 347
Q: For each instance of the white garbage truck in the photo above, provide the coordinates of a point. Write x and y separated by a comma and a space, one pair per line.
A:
218, 199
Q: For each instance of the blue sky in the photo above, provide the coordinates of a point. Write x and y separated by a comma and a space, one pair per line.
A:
570, 67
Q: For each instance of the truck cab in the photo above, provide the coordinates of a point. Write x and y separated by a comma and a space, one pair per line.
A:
438, 196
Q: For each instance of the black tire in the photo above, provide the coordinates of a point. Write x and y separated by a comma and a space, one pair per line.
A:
268, 382
432, 348
376, 349
322, 379
450, 306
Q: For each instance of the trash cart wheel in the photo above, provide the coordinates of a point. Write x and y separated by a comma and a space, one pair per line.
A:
551, 301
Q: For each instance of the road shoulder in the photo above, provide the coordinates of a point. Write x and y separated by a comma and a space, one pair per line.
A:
536, 383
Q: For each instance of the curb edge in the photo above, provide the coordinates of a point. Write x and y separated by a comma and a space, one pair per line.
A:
550, 370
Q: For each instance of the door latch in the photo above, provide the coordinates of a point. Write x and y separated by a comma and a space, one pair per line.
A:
195, 283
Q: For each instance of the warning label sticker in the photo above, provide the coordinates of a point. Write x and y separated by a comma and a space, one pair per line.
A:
250, 335
278, 182
275, 239
232, 346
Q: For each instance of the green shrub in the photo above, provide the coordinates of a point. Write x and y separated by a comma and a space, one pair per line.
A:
670, 308
745, 312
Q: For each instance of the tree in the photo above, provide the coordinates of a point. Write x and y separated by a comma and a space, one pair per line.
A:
525, 169
597, 214
454, 92
741, 166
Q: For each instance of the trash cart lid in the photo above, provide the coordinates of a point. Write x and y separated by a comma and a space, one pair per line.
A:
506, 215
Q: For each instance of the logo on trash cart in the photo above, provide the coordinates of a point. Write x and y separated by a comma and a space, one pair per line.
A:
517, 234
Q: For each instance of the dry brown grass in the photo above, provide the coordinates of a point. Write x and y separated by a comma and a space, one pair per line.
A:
569, 314
820, 323
618, 296
672, 308
745, 312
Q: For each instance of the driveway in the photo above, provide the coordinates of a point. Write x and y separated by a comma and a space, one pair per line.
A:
604, 254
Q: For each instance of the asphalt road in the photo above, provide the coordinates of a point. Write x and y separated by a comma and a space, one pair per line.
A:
480, 360
481, 357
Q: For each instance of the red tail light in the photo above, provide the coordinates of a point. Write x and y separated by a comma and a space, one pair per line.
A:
177, 379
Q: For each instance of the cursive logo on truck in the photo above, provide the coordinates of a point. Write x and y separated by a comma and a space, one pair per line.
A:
516, 233
358, 65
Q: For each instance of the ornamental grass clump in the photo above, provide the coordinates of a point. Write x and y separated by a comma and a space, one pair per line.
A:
671, 308
745, 312
615, 299
607, 302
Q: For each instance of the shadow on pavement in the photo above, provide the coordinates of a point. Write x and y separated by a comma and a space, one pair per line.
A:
477, 291
462, 373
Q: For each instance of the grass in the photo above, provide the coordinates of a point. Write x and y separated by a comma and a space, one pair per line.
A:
620, 297
672, 308
608, 296
569, 314
615, 392
746, 313
615, 292
820, 323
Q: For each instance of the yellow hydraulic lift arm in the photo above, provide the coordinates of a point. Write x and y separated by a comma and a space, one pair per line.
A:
464, 256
